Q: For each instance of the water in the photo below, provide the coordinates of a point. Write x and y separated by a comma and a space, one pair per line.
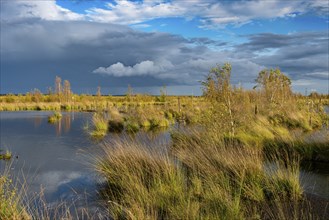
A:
314, 177
57, 157
49, 155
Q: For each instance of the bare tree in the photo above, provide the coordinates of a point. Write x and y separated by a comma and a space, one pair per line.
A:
67, 90
58, 85
129, 93
98, 91
36, 95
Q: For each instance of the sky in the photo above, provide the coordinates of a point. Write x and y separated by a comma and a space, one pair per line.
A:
148, 44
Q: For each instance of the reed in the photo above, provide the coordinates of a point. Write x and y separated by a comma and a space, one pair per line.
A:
55, 117
5, 156
99, 127
198, 179
17, 204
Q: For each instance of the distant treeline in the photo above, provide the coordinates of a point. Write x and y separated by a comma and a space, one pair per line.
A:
276, 87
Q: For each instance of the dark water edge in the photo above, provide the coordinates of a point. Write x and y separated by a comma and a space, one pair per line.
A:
319, 205
314, 178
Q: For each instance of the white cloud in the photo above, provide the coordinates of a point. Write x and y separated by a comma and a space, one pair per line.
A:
321, 6
46, 10
212, 14
319, 75
141, 25
128, 12
302, 82
146, 67
241, 12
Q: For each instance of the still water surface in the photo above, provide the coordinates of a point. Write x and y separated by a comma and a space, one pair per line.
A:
55, 156
49, 155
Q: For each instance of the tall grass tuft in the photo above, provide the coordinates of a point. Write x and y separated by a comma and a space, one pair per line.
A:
5, 156
11, 199
100, 126
17, 204
199, 178
55, 117
116, 122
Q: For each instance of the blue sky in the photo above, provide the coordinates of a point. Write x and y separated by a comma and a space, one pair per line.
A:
148, 44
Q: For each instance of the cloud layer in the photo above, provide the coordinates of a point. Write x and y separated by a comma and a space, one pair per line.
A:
210, 13
95, 53
40, 40
47, 10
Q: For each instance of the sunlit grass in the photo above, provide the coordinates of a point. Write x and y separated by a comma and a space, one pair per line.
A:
100, 126
200, 179
17, 203
6, 155
55, 117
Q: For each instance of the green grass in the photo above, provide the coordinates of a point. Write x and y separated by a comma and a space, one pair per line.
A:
5, 156
99, 126
199, 179
116, 121
11, 199
132, 126
17, 204
55, 117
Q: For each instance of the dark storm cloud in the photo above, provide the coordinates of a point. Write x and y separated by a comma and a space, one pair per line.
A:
35, 51
89, 54
262, 41
301, 55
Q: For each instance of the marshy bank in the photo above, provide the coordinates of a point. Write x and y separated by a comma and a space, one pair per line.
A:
205, 178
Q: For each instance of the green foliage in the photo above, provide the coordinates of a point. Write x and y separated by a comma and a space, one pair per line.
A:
55, 117
10, 200
132, 126
201, 179
5, 156
217, 84
100, 126
275, 85
163, 95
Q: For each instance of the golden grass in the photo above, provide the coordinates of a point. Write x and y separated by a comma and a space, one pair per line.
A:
198, 179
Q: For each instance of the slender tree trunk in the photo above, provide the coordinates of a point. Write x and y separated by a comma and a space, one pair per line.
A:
228, 105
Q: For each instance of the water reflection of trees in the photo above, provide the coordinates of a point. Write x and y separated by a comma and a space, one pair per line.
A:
37, 121
64, 124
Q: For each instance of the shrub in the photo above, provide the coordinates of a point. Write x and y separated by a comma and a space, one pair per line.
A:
55, 117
